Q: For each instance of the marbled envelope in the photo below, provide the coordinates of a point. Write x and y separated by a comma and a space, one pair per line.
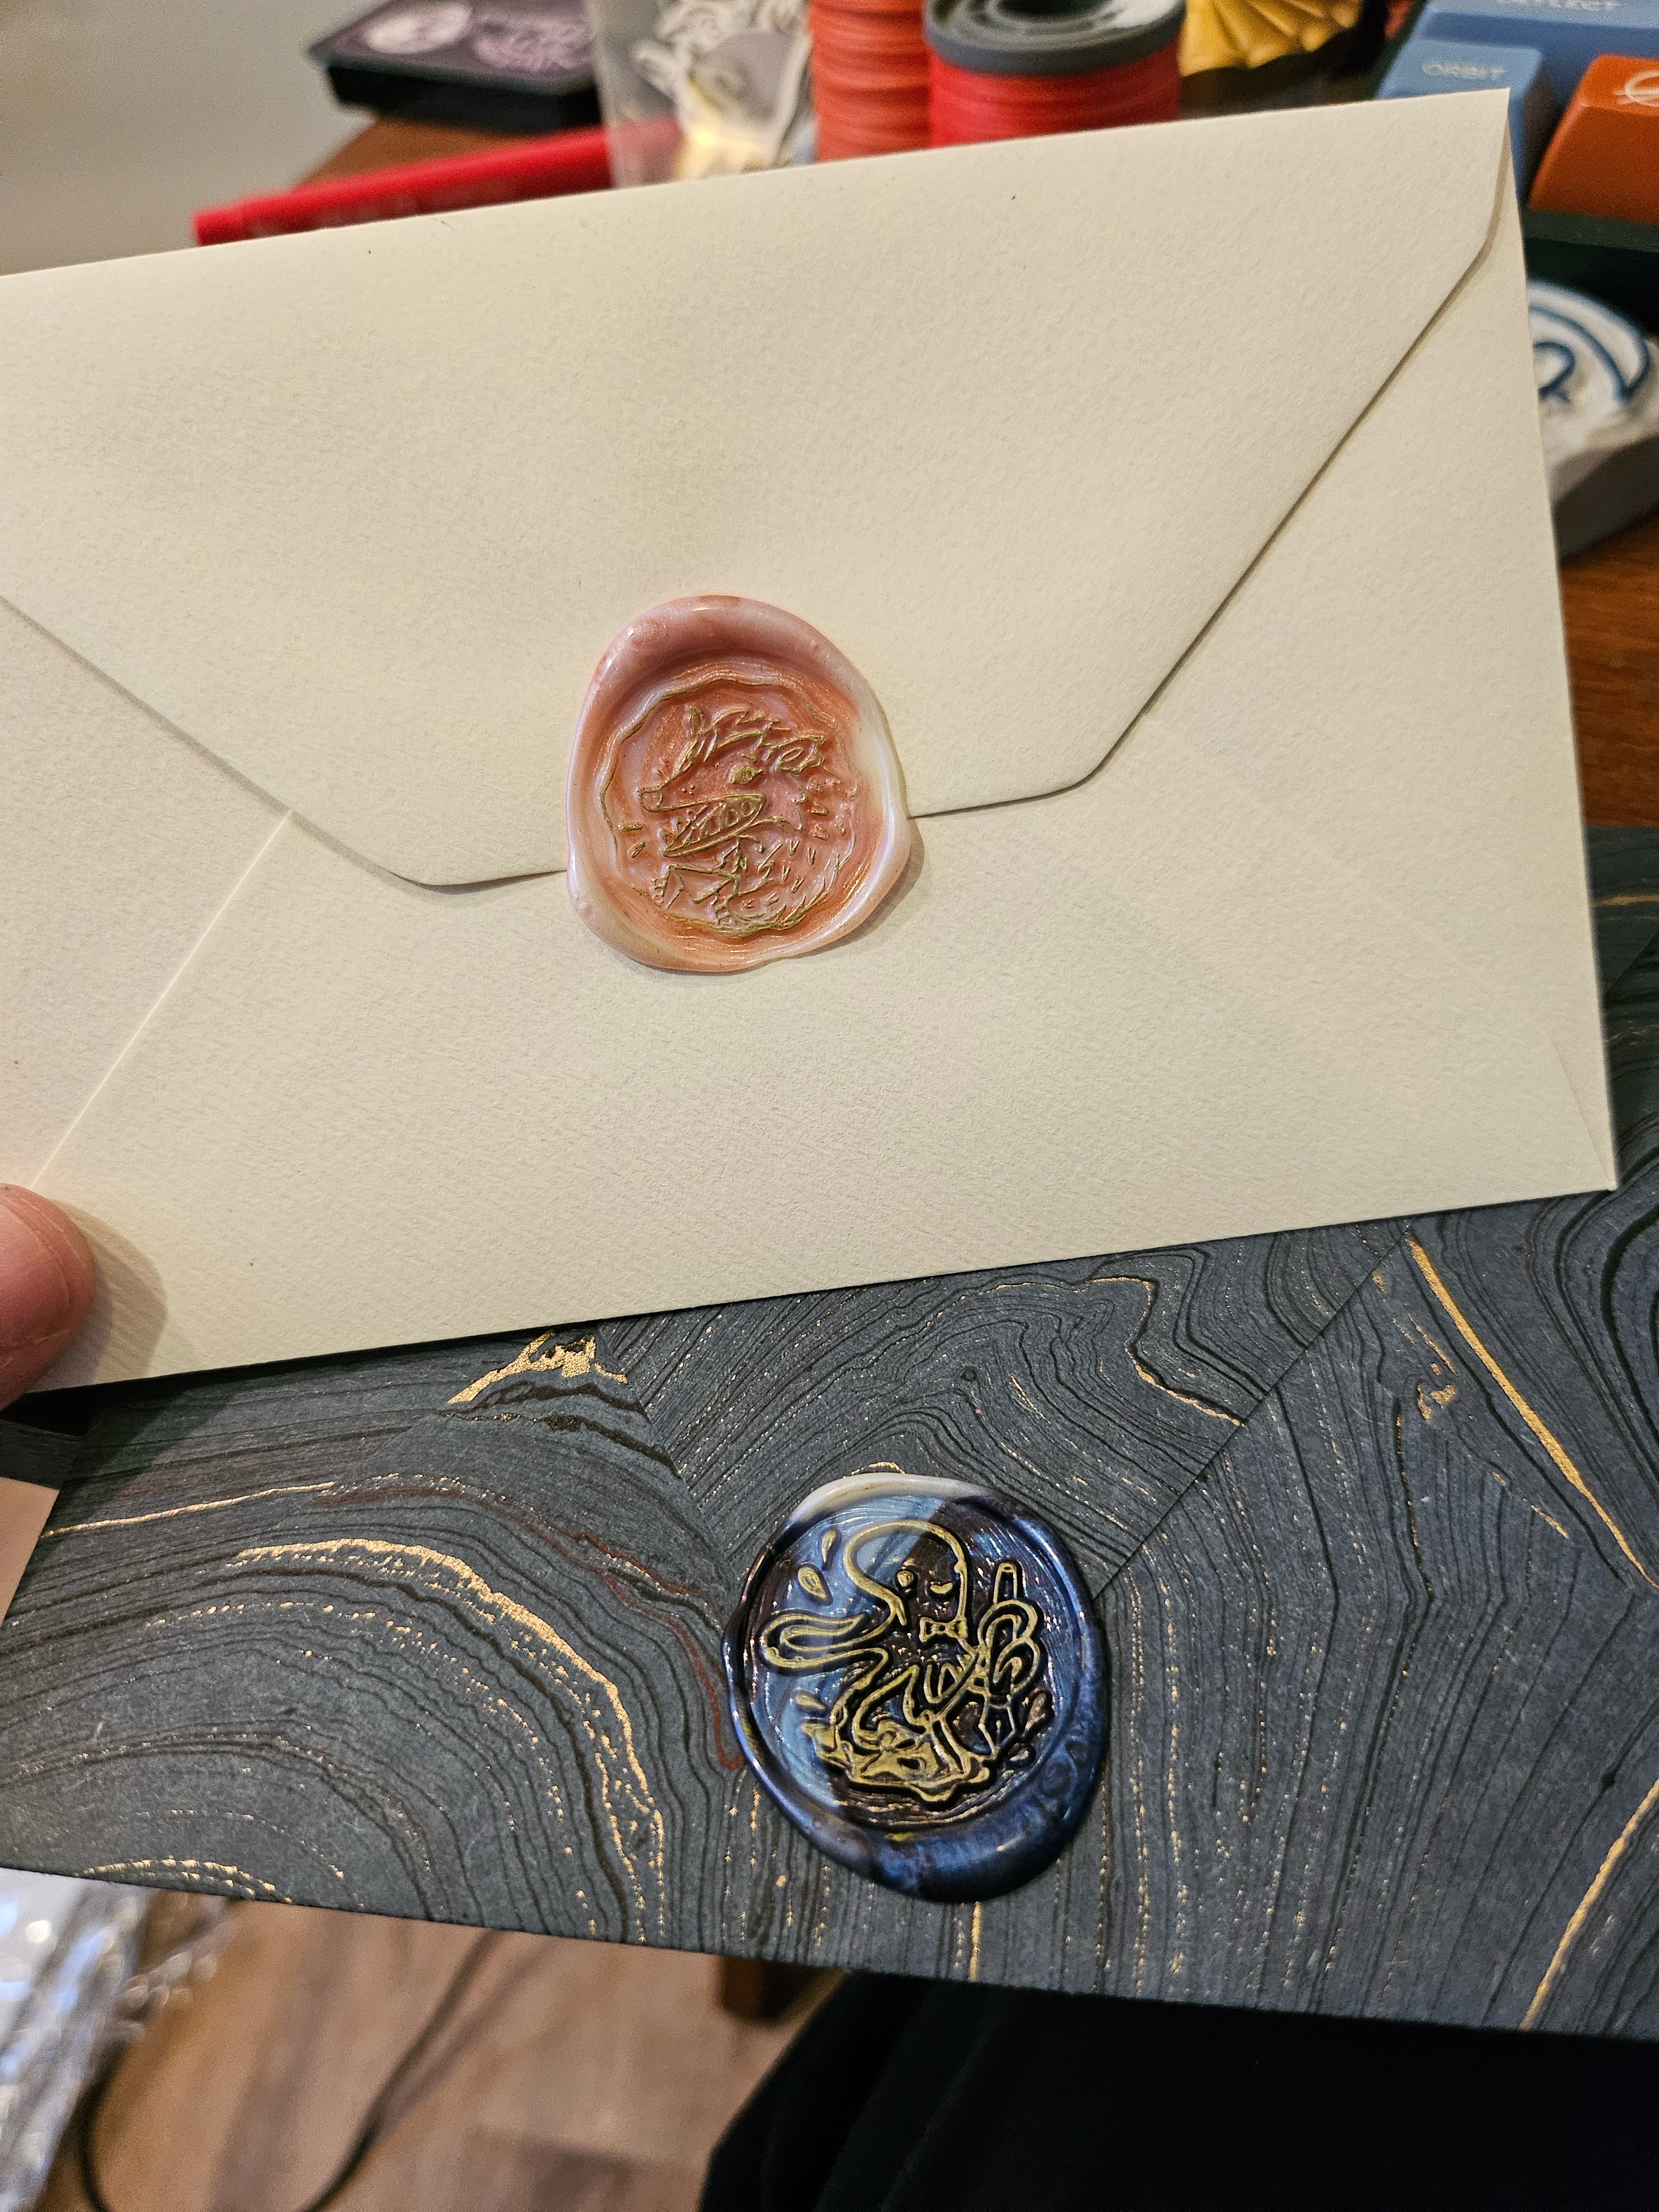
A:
1177, 491
1369, 1514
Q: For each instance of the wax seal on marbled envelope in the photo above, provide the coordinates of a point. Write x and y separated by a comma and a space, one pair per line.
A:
917, 1679
734, 796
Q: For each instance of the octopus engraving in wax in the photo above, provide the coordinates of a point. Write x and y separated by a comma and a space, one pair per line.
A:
733, 804
928, 1683
733, 796
918, 1681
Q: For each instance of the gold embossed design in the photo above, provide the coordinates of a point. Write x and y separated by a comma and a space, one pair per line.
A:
732, 805
937, 1698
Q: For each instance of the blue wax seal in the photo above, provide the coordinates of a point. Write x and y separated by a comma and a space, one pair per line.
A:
917, 1678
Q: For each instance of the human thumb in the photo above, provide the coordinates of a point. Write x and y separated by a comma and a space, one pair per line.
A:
46, 1283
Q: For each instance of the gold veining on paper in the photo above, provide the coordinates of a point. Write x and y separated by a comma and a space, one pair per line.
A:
620, 1773
172, 1512
562, 1360
214, 1872
1534, 1421
1587, 1905
1131, 1346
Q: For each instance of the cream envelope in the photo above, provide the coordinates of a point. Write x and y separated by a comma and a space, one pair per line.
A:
1178, 492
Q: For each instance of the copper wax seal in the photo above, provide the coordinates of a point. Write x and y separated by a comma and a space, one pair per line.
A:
734, 796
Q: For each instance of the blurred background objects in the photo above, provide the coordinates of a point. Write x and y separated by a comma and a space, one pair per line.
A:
84, 1965
118, 117
178, 2054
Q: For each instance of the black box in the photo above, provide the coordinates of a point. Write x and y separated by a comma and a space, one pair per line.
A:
509, 65
1618, 262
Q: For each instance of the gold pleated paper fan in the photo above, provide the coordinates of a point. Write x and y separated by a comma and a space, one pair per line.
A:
1245, 33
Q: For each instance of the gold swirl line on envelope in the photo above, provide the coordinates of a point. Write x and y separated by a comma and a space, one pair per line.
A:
562, 1360
1546, 1436
212, 1873
1587, 1905
1131, 1345
173, 1512
614, 1770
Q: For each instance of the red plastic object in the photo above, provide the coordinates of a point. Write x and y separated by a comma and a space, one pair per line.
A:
1604, 157
969, 105
534, 169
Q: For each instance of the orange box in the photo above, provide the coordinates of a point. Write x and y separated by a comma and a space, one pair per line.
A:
1604, 157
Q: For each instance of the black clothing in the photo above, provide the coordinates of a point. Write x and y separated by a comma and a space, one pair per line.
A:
903, 2096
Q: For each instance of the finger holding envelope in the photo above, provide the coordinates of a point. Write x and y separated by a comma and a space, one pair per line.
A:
46, 1282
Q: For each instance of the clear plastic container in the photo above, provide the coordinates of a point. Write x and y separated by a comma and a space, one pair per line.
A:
67, 1953
702, 87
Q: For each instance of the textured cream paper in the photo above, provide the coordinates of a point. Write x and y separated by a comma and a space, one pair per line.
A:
360, 510
118, 843
1221, 434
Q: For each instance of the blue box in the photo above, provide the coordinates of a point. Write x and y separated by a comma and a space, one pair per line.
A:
1569, 34
1454, 65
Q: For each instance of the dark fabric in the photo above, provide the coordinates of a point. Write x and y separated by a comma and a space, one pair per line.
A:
903, 2097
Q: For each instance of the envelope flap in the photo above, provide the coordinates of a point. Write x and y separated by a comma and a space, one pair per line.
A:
358, 511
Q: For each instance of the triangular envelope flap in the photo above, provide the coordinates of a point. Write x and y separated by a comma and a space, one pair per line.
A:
358, 511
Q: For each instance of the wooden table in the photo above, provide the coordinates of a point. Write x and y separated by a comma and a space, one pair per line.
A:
1370, 1514
1610, 598
388, 143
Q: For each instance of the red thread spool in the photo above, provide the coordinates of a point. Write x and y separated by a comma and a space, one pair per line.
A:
1021, 69
869, 76
967, 104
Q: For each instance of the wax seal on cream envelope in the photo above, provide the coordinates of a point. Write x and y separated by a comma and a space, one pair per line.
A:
734, 796
917, 1679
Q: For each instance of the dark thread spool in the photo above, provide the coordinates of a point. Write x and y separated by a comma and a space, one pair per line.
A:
1022, 68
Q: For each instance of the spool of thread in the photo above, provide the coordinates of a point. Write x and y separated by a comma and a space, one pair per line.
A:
870, 71
1021, 69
